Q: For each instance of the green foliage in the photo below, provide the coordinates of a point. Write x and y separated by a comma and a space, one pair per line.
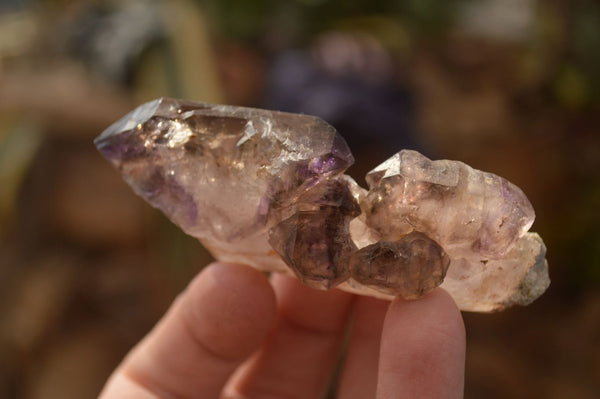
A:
585, 44
251, 20
573, 40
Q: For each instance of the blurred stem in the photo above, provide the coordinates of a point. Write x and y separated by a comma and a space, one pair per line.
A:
18, 145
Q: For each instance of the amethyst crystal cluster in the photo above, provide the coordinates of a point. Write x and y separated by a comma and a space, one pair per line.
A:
267, 189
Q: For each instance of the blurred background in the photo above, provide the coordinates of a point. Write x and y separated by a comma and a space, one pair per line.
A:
87, 268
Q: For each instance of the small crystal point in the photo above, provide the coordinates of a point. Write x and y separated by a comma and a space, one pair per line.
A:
315, 240
409, 267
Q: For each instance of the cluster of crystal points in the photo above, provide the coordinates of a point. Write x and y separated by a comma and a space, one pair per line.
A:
267, 189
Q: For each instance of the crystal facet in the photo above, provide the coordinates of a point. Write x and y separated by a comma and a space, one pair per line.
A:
267, 189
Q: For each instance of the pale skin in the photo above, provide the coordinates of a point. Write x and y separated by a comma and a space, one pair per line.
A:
235, 334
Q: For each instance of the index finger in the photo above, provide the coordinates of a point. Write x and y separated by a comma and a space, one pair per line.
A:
218, 321
422, 349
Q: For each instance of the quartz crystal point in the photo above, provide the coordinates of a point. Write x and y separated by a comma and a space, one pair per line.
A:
467, 211
218, 171
267, 189
409, 267
315, 240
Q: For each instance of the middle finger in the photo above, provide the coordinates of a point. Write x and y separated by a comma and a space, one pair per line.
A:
359, 376
298, 356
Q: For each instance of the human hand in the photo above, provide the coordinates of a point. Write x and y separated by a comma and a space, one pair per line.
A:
234, 334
